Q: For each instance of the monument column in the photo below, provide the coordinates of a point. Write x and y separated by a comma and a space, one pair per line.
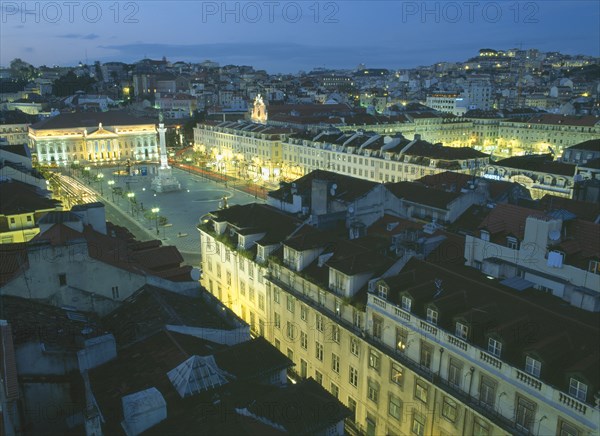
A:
164, 181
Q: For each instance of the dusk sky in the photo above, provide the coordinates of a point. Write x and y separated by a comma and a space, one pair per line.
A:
282, 36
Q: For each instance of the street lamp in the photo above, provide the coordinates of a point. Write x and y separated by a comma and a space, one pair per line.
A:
100, 176
111, 184
131, 196
87, 174
155, 211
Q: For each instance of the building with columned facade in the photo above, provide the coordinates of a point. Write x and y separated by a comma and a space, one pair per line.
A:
93, 137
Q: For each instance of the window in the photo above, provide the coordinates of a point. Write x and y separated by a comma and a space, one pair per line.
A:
578, 389
512, 242
241, 263
449, 409
462, 331
303, 312
406, 303
335, 333
261, 302
382, 291
533, 366
335, 390
319, 351
277, 343
320, 323
354, 346
373, 391
525, 413
319, 377
276, 295
303, 340
397, 374
418, 424
357, 319
494, 347
277, 320
290, 330
566, 429
290, 354
335, 363
374, 359
421, 391
454, 372
485, 235
377, 327
395, 407
426, 354
62, 279
250, 271
290, 303
321, 298
242, 288
115, 292
594, 267
480, 428
432, 316
487, 391
352, 407
303, 368
251, 294
29, 218
401, 339
353, 376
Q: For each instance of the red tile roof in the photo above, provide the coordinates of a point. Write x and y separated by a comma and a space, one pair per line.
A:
507, 219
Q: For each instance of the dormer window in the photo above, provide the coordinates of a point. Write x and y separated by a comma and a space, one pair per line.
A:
485, 235
532, 366
462, 331
555, 259
406, 303
512, 242
594, 266
432, 316
578, 389
382, 290
494, 347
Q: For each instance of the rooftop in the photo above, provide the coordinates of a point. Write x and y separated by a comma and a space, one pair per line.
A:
543, 163
90, 119
487, 307
417, 193
348, 188
150, 309
18, 197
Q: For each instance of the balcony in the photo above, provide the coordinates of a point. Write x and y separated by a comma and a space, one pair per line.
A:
490, 360
528, 380
458, 343
572, 403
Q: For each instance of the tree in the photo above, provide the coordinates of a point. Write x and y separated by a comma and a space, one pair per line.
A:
22, 71
69, 84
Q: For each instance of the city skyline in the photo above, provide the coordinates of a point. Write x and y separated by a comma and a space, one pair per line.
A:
291, 36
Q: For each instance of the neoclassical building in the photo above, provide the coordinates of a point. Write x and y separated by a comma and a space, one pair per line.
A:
93, 137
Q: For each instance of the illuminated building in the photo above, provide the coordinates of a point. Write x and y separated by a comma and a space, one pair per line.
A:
93, 137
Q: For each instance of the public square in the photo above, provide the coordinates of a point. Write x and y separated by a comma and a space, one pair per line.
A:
182, 209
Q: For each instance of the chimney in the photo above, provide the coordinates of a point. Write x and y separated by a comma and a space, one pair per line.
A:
319, 197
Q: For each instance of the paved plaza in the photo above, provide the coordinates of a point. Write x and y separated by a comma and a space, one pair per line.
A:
182, 209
